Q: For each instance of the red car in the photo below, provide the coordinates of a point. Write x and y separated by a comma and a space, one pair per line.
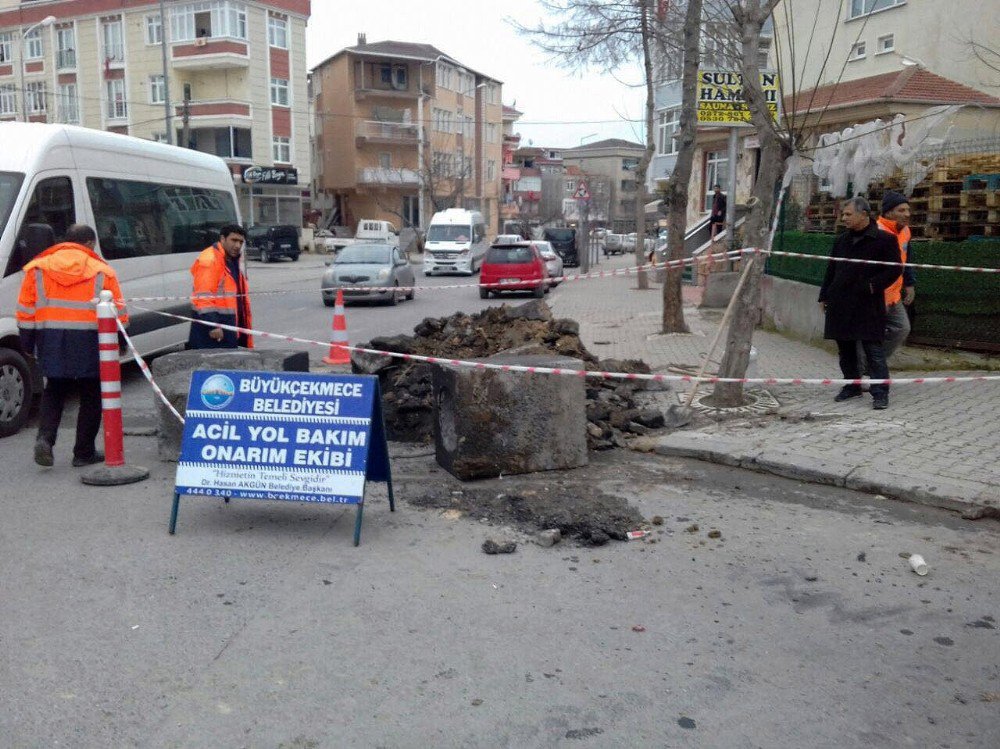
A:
517, 265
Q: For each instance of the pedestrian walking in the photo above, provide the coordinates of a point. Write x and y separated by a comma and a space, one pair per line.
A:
221, 294
717, 218
57, 322
853, 297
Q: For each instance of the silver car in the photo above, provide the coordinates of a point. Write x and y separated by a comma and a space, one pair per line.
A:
553, 262
362, 270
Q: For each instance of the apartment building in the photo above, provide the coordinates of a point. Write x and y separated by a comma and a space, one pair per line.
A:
612, 162
403, 130
235, 77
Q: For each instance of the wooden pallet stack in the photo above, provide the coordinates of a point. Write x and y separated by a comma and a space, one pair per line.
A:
823, 213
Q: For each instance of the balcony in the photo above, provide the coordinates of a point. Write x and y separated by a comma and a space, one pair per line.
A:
210, 54
387, 177
400, 133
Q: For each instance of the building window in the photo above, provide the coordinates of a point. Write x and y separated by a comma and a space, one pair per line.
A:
393, 76
279, 92
716, 173
6, 47
33, 47
886, 43
570, 186
117, 106
468, 126
34, 98
277, 31
225, 142
491, 170
444, 76
157, 89
492, 94
281, 150
154, 29
160, 138
112, 41
668, 130
385, 160
442, 120
858, 51
65, 47
630, 165
864, 7
67, 104
8, 99
491, 132
211, 19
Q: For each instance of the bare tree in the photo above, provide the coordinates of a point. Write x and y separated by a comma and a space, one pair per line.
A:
607, 35
675, 193
749, 17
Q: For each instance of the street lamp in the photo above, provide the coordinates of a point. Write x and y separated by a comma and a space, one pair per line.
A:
44, 23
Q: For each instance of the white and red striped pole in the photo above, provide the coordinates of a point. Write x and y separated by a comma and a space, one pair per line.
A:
114, 471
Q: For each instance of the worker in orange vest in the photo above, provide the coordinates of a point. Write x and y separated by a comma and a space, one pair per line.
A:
895, 220
57, 322
221, 293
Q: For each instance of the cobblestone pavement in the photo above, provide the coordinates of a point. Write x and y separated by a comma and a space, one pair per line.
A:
936, 444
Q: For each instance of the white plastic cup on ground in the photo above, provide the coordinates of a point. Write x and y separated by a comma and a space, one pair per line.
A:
918, 564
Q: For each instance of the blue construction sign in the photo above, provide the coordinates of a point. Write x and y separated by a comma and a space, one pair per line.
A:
283, 436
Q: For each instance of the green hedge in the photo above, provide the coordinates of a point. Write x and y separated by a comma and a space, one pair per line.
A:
952, 307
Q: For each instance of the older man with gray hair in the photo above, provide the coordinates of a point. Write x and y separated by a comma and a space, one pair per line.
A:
853, 296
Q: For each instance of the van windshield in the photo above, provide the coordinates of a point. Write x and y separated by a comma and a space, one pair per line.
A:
560, 235
448, 233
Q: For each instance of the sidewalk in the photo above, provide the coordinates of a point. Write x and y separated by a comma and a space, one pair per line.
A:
937, 444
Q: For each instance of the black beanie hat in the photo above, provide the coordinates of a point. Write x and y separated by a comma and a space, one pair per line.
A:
892, 199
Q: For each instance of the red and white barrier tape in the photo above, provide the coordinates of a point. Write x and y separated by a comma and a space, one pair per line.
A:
728, 255
149, 375
926, 266
584, 373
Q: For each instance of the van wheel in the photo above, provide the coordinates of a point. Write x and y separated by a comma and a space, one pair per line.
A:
15, 391
295, 258
264, 257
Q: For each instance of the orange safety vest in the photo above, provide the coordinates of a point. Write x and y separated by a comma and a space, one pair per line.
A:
216, 293
60, 289
894, 294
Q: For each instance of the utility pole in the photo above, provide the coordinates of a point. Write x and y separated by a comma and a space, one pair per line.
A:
168, 115
186, 125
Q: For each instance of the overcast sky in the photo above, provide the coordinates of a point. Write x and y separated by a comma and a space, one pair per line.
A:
475, 33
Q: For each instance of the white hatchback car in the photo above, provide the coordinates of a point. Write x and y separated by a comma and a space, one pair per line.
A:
553, 263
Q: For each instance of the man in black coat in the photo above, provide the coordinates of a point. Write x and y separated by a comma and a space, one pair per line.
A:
853, 295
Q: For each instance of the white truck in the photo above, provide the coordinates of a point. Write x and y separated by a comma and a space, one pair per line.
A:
369, 230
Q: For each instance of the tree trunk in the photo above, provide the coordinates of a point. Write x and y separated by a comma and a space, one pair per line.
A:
647, 156
757, 229
676, 192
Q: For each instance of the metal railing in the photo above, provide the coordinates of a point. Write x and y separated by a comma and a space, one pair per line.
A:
397, 131
388, 176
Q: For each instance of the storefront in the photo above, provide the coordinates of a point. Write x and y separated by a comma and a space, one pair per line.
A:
277, 196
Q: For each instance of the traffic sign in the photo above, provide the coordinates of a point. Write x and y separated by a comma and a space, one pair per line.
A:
582, 193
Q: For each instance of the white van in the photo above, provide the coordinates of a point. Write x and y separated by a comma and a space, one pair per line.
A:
456, 242
154, 207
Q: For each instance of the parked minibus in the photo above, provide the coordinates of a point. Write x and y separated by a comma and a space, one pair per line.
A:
154, 208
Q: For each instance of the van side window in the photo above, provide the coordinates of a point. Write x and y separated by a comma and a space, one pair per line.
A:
52, 204
138, 219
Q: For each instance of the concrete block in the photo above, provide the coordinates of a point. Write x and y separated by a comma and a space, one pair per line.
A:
802, 467
791, 307
719, 288
172, 373
488, 422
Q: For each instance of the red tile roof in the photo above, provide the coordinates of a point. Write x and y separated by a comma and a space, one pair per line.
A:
909, 85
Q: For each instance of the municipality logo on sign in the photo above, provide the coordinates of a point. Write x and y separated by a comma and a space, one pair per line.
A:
217, 392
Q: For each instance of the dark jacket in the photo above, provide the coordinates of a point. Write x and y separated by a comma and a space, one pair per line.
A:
854, 293
718, 207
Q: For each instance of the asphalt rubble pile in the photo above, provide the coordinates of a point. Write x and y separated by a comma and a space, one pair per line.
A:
613, 410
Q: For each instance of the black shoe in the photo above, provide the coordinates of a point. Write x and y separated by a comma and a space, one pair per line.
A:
43, 453
880, 402
97, 457
847, 392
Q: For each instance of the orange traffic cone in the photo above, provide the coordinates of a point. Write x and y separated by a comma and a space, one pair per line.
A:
338, 354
